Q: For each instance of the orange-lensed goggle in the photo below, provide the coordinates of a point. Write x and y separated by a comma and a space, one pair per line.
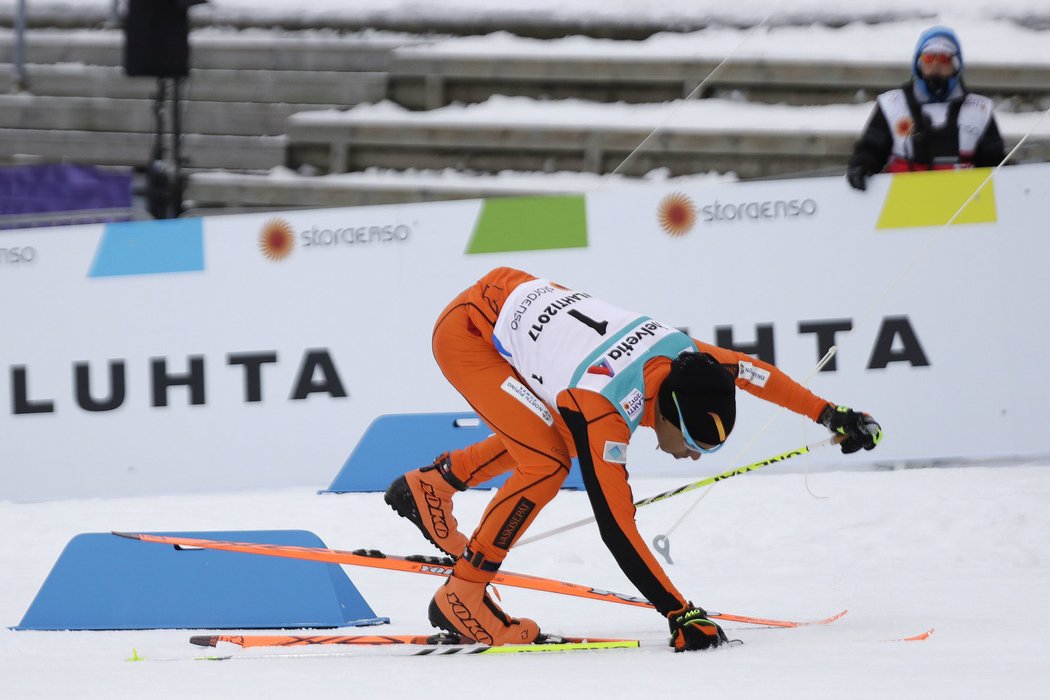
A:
941, 59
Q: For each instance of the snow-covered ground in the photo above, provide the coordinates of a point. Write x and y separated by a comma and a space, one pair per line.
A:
962, 550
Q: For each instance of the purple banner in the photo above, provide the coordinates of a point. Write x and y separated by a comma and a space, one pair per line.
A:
34, 189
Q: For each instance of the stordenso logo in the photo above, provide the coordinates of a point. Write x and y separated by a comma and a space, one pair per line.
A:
769, 210
354, 236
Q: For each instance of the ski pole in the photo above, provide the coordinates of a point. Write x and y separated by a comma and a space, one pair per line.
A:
833, 440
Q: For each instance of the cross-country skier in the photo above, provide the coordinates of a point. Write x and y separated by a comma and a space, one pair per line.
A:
557, 373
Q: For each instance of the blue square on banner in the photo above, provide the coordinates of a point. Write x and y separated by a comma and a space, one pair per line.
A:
150, 248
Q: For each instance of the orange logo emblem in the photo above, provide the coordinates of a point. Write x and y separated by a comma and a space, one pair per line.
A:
677, 214
277, 239
903, 126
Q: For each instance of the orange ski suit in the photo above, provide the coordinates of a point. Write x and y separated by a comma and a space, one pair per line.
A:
581, 425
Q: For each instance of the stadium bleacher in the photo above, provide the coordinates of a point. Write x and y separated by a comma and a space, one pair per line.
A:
257, 100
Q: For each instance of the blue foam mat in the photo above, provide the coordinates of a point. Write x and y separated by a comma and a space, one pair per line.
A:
105, 582
396, 443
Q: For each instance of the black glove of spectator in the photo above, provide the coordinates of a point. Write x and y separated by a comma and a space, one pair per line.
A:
860, 429
692, 631
857, 177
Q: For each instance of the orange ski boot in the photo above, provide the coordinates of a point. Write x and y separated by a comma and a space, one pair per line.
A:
463, 607
424, 497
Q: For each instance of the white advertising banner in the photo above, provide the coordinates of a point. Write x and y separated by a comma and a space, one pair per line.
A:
251, 351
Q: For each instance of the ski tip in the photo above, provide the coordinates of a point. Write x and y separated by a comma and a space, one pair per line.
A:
916, 637
129, 535
204, 640
833, 618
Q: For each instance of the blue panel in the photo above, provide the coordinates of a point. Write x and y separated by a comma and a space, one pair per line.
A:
396, 443
105, 582
149, 248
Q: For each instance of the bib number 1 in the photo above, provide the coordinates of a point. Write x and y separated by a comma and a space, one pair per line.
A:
598, 326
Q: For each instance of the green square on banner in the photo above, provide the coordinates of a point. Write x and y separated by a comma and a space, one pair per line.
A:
530, 223
150, 248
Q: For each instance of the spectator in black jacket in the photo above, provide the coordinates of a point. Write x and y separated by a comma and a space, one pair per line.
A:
932, 122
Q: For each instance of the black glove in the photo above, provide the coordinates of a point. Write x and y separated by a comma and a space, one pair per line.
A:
692, 631
860, 429
857, 177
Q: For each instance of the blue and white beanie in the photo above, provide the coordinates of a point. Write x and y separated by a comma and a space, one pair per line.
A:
941, 40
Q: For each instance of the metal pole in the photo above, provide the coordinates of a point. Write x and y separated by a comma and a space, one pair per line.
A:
21, 82
157, 183
176, 150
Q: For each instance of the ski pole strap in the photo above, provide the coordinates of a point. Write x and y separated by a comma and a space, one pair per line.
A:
478, 561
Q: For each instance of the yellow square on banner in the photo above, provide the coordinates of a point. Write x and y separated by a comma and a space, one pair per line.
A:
932, 198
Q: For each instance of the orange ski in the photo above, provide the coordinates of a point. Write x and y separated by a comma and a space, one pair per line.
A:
435, 566
775, 623
285, 640
248, 641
